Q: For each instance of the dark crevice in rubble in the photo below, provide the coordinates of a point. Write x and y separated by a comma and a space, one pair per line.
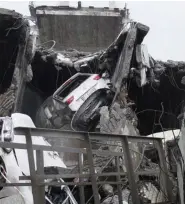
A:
13, 35
49, 73
110, 57
47, 77
9, 43
158, 105
34, 97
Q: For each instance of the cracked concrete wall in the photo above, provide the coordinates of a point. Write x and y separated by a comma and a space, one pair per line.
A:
12, 92
84, 33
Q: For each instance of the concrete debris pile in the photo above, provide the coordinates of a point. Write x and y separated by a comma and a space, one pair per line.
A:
120, 90
102, 63
7, 99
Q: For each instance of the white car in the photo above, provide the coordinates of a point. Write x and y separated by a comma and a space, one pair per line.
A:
78, 88
15, 163
71, 98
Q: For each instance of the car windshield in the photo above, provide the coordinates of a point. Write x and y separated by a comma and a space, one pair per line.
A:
69, 87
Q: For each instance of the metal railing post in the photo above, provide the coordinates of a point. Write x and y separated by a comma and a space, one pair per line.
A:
82, 196
118, 179
130, 170
40, 171
165, 181
32, 166
92, 170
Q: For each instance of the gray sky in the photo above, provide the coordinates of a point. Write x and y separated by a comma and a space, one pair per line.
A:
166, 38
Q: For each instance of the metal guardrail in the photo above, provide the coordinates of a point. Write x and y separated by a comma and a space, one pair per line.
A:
38, 178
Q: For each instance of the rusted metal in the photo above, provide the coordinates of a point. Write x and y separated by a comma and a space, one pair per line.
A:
92, 171
151, 172
32, 166
82, 196
130, 171
38, 179
166, 183
58, 134
118, 177
40, 170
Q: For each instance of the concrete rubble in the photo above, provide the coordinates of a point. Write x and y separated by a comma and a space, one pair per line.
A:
145, 96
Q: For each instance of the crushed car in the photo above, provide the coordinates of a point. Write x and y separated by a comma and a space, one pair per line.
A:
75, 87
75, 97
77, 102
14, 162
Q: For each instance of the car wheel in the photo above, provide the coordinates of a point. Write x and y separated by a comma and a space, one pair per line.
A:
87, 117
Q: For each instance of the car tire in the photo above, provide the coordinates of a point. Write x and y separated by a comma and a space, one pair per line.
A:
82, 119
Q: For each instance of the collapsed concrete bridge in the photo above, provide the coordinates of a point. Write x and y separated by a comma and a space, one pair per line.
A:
150, 96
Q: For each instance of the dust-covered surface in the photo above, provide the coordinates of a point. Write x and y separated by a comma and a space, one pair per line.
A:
15, 199
143, 96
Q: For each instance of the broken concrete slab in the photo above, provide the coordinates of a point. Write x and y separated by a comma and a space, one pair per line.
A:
114, 199
135, 35
123, 65
114, 121
143, 63
15, 32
